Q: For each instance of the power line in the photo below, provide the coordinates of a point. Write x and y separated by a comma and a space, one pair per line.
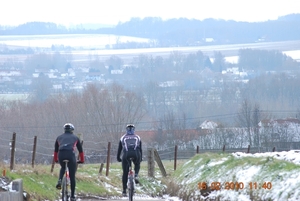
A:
209, 117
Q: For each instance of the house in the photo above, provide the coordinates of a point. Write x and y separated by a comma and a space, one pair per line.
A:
280, 133
281, 122
208, 125
209, 40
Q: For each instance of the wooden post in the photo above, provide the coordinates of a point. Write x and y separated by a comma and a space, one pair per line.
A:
248, 151
101, 168
151, 163
175, 157
197, 151
160, 164
224, 148
34, 151
273, 149
52, 166
12, 151
108, 159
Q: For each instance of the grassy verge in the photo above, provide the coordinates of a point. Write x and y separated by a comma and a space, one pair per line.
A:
282, 177
40, 183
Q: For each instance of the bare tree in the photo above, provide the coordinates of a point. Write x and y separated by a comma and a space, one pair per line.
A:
244, 117
151, 91
114, 107
42, 88
256, 118
115, 62
177, 60
219, 62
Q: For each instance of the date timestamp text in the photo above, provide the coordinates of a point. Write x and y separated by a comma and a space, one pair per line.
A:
234, 185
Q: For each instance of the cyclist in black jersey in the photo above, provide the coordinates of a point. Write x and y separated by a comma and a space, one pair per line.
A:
131, 147
64, 149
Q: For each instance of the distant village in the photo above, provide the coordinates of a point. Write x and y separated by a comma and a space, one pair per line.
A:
19, 82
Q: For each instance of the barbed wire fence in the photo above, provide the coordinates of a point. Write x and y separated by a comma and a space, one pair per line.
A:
34, 150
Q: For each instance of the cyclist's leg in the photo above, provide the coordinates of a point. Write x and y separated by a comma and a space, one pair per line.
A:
72, 171
137, 162
61, 158
125, 166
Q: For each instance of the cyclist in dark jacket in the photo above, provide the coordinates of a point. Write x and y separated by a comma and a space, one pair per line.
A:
131, 147
64, 149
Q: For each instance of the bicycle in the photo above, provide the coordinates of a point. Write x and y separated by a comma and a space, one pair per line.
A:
65, 189
130, 181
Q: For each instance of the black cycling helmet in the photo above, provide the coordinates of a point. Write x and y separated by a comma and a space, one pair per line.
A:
68, 127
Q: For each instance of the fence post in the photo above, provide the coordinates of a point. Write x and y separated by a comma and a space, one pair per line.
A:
151, 163
248, 151
273, 149
224, 148
159, 163
197, 151
34, 151
175, 157
108, 159
12, 151
101, 168
52, 166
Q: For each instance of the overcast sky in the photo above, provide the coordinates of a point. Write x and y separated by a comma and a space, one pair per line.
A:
66, 12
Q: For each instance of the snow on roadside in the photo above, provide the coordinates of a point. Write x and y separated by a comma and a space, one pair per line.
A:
283, 185
278, 184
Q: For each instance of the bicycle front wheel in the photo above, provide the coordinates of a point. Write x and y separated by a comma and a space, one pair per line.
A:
131, 188
64, 190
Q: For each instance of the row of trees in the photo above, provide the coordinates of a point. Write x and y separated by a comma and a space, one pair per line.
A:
100, 114
182, 31
263, 60
176, 62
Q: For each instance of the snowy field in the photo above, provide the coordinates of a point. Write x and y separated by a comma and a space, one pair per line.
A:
73, 40
268, 176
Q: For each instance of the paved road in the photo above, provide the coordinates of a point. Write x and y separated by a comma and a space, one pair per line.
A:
135, 199
226, 50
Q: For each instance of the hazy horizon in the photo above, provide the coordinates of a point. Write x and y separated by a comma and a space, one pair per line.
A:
76, 12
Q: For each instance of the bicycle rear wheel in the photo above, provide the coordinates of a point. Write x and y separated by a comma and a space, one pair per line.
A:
131, 188
64, 190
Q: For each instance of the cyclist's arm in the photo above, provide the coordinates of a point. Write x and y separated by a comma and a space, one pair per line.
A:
79, 146
55, 155
80, 150
56, 146
119, 149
